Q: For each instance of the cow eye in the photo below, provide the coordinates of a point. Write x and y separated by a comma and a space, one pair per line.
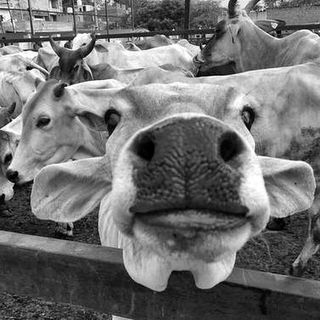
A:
248, 116
42, 122
112, 118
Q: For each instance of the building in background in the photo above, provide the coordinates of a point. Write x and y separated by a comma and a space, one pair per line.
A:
57, 15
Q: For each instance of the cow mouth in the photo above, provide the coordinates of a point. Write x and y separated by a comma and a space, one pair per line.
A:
201, 241
195, 220
193, 232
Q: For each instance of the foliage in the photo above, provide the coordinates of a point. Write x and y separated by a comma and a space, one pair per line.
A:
289, 3
159, 15
204, 14
169, 14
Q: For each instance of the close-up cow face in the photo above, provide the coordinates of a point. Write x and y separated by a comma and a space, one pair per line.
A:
180, 180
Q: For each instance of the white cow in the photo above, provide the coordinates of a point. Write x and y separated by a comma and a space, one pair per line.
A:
239, 41
117, 56
180, 185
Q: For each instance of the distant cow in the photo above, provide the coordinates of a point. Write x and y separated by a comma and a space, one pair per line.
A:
239, 41
159, 40
116, 55
72, 67
180, 185
9, 50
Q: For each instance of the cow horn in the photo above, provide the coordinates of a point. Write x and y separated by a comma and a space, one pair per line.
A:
59, 89
85, 50
232, 8
250, 5
56, 48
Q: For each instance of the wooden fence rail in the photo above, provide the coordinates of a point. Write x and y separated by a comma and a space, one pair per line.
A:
94, 277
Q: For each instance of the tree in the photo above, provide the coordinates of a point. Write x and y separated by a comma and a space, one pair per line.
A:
163, 15
204, 14
169, 14
289, 3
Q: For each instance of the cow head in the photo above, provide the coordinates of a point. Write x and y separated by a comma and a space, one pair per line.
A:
6, 114
8, 143
50, 134
230, 39
180, 185
71, 67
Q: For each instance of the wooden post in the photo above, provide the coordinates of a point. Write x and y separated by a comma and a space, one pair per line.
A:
94, 277
10, 14
30, 16
186, 17
74, 19
95, 14
107, 20
132, 14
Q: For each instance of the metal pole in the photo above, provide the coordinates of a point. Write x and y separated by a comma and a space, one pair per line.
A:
95, 14
74, 18
186, 17
13, 28
132, 14
107, 20
30, 16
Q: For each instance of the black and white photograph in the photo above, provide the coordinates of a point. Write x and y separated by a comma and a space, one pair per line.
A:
159, 159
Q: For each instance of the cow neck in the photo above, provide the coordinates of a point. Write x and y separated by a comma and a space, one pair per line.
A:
259, 50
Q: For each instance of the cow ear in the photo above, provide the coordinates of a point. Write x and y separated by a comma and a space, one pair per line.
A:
68, 191
14, 128
55, 73
12, 108
290, 185
92, 111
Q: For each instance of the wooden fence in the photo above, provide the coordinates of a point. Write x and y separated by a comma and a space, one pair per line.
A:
93, 276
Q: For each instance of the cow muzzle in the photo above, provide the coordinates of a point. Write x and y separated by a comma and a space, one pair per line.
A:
185, 195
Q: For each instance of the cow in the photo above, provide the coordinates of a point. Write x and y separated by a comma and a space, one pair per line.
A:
116, 55
289, 98
8, 142
180, 185
158, 40
20, 62
71, 68
239, 41
6, 114
9, 50
16, 88
131, 46
51, 134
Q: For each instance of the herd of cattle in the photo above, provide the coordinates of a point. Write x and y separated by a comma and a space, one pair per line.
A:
185, 169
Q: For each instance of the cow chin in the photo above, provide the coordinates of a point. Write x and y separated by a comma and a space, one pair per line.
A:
201, 241
165, 242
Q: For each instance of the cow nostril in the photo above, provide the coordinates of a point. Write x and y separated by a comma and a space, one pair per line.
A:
2, 198
144, 148
230, 146
12, 176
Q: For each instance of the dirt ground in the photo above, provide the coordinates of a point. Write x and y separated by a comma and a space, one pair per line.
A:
271, 251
